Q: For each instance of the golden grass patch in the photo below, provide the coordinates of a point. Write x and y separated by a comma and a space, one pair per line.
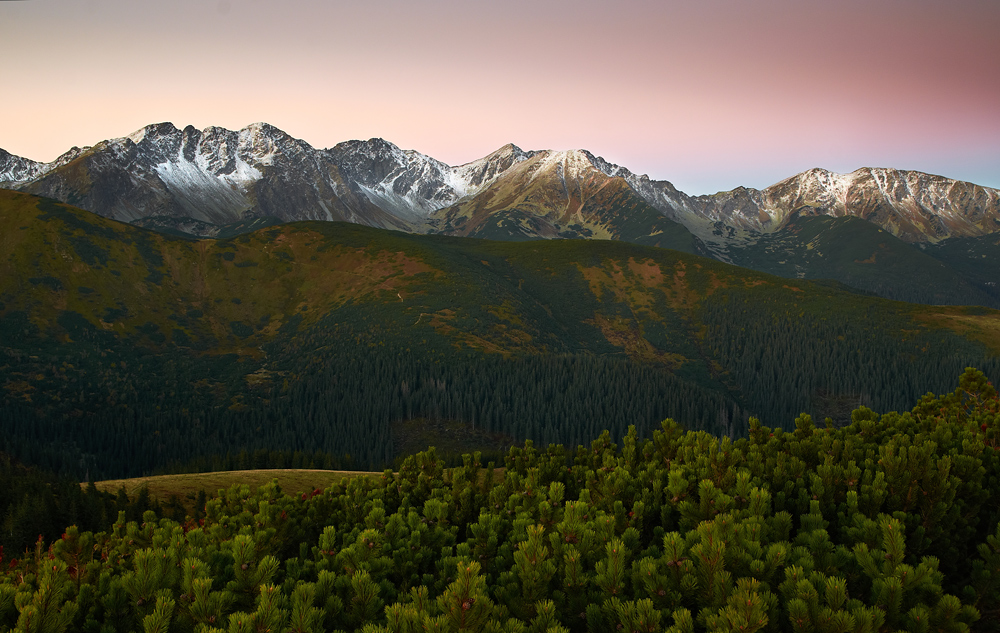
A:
627, 334
982, 328
186, 486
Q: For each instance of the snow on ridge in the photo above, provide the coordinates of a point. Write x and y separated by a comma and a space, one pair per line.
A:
213, 150
224, 166
204, 196
460, 182
413, 185
15, 169
472, 177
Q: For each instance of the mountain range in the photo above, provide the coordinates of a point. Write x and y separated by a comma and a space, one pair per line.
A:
901, 234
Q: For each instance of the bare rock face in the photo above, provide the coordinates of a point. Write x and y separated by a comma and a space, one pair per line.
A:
413, 186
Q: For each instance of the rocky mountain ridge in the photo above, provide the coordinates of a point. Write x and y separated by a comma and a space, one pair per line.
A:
199, 178
15, 170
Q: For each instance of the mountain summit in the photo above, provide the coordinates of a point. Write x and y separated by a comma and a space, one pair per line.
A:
217, 176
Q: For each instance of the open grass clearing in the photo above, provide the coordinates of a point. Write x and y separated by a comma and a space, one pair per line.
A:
187, 486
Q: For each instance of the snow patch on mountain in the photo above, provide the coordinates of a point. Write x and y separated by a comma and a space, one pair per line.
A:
205, 196
15, 170
411, 185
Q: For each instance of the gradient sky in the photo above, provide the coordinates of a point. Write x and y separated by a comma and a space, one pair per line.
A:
709, 94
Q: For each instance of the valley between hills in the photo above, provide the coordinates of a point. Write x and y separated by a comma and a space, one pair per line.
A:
649, 411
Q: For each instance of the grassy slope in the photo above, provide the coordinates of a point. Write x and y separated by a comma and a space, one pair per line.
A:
977, 258
233, 295
163, 487
861, 255
92, 310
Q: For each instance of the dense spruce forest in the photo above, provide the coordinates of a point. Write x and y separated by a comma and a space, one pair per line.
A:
124, 351
891, 523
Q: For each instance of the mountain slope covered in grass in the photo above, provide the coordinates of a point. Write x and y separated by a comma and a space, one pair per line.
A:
862, 256
136, 349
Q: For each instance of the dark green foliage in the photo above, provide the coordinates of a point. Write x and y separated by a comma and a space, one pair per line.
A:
36, 505
51, 282
859, 254
820, 350
240, 329
977, 258
889, 524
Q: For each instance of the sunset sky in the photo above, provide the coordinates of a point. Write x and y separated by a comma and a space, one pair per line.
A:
709, 94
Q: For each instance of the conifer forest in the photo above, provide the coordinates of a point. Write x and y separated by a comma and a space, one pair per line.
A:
889, 523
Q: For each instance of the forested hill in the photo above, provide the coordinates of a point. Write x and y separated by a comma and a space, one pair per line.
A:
124, 350
890, 524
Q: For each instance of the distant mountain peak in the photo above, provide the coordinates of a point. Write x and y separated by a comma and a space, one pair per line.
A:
260, 127
216, 175
152, 132
508, 148
912, 205
15, 169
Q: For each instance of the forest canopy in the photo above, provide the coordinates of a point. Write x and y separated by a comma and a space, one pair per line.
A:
889, 523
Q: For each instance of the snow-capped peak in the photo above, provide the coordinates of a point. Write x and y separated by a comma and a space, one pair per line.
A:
152, 132
219, 176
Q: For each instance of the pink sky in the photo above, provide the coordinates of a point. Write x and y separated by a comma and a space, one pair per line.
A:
709, 94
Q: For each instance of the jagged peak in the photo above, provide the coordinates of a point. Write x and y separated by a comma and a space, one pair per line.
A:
408, 183
737, 192
376, 149
506, 150
70, 155
509, 147
14, 168
813, 173
153, 130
372, 145
508, 153
267, 130
578, 162
565, 156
